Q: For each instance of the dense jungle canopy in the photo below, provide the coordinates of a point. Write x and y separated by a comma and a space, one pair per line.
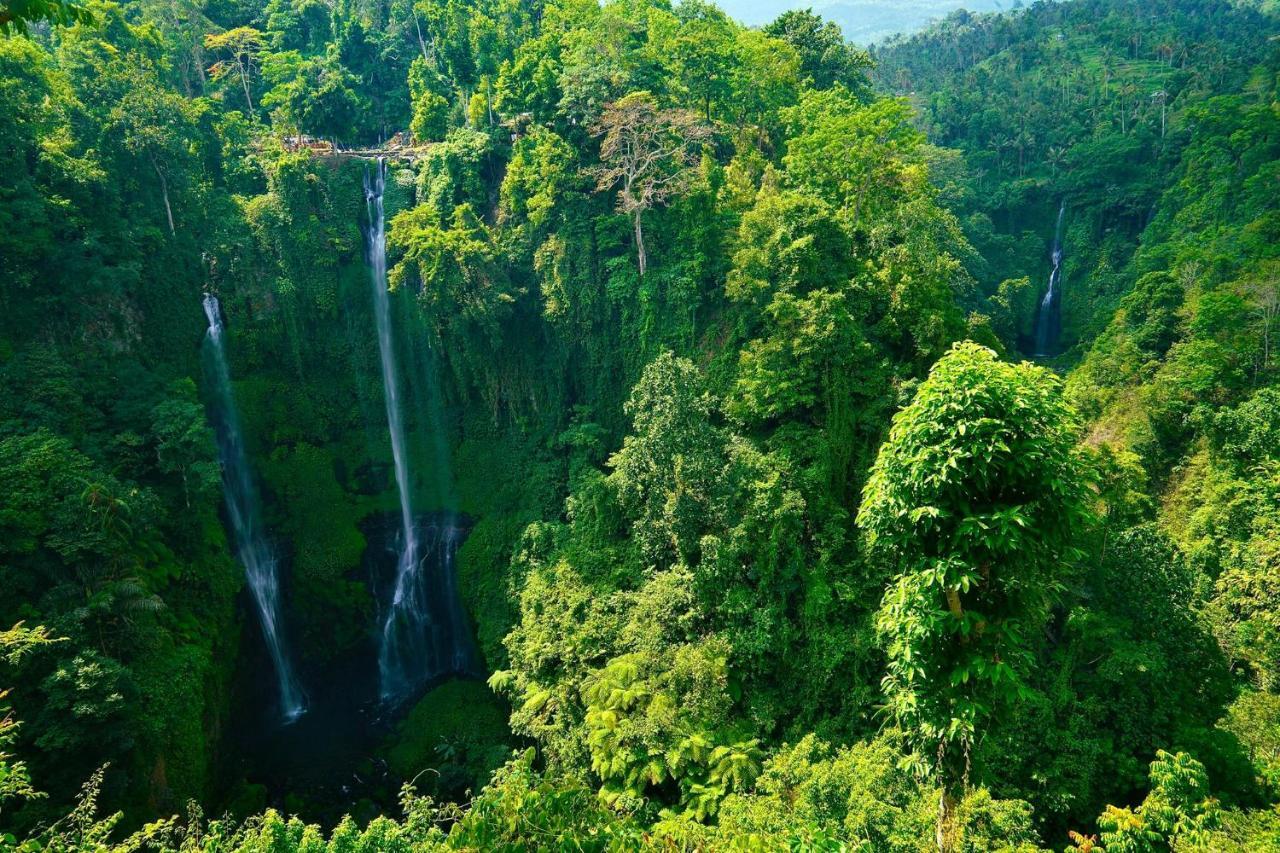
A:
576, 425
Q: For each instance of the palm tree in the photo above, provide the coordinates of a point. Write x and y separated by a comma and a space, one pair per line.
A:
998, 143
1023, 142
1056, 157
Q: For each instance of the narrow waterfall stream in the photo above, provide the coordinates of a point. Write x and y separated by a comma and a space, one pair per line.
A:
241, 497
1048, 321
424, 634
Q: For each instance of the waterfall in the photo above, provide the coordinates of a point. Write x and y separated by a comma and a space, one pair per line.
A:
1047, 321
242, 509
424, 632
403, 613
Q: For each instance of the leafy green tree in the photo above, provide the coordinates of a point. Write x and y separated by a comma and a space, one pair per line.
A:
825, 57
1013, 311
298, 25
703, 53
667, 467
15, 779
1178, 812
184, 444
975, 501
430, 117
862, 159
764, 80
154, 125
316, 96
16, 15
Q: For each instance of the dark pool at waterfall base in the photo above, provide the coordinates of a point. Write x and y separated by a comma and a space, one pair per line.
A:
332, 760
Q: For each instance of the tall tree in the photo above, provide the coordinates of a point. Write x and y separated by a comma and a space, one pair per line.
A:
155, 125
825, 57
651, 152
242, 47
975, 500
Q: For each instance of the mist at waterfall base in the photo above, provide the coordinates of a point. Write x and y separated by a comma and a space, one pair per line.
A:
1049, 315
243, 513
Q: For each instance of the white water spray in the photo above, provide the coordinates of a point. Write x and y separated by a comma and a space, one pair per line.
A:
242, 510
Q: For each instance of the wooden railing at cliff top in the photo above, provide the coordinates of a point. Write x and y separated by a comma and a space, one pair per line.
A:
397, 147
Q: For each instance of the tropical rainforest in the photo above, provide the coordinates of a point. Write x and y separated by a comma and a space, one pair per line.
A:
576, 425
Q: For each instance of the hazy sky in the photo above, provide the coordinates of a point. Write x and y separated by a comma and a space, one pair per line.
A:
863, 21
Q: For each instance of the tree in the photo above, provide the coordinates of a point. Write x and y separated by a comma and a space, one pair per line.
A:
765, 78
1177, 812
667, 467
704, 53
651, 152
1265, 296
242, 46
316, 96
16, 14
184, 442
155, 124
865, 160
1012, 309
15, 781
1056, 157
975, 501
825, 57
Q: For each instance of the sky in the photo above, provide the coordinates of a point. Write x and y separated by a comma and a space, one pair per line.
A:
863, 21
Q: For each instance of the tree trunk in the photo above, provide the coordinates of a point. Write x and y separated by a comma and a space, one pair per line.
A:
640, 245
421, 43
244, 78
164, 191
946, 831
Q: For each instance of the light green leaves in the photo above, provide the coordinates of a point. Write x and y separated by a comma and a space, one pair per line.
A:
975, 500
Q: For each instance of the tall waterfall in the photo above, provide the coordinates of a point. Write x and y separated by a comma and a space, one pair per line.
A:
424, 633
1047, 321
242, 509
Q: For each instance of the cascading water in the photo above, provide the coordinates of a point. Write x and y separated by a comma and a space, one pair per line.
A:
430, 638
1047, 320
242, 509
424, 634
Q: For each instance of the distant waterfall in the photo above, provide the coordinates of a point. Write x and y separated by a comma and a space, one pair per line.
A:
242, 509
424, 634
1048, 320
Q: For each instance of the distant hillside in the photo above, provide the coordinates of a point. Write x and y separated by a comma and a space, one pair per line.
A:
1092, 102
864, 21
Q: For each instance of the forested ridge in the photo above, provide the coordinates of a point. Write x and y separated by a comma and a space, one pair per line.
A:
547, 424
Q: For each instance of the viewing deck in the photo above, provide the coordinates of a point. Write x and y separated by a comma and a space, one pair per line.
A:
396, 148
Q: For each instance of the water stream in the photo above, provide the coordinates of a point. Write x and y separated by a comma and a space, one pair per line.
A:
241, 495
424, 634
